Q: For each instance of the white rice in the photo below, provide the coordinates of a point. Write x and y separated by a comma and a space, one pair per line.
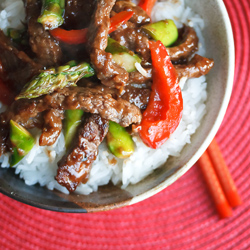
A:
12, 14
40, 165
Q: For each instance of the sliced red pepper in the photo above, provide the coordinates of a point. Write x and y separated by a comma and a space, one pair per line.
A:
164, 110
80, 36
119, 19
147, 5
70, 36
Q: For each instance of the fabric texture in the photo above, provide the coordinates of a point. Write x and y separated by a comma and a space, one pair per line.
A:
180, 217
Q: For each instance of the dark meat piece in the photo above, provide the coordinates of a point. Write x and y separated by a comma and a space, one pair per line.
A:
137, 96
182, 52
75, 166
100, 101
196, 67
78, 13
137, 77
52, 127
107, 71
17, 67
133, 93
46, 48
93, 100
140, 17
134, 39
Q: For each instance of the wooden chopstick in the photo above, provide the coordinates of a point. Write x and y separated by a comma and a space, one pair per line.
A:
219, 180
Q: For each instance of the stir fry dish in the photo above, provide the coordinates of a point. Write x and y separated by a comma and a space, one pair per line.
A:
94, 70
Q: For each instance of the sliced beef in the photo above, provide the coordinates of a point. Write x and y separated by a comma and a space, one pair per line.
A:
196, 67
137, 96
78, 13
137, 77
52, 127
188, 46
134, 39
75, 166
45, 47
97, 101
17, 68
108, 72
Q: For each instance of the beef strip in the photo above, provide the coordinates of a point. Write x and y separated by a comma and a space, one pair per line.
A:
137, 96
137, 77
46, 48
78, 13
17, 67
133, 93
52, 127
75, 166
93, 100
189, 45
108, 72
196, 67
134, 39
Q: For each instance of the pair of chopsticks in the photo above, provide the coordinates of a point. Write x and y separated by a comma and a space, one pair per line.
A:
219, 180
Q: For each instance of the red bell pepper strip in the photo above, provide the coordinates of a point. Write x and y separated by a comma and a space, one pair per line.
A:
80, 36
119, 19
147, 5
70, 36
164, 110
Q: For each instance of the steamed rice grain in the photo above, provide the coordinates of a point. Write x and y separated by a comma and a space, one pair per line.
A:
40, 165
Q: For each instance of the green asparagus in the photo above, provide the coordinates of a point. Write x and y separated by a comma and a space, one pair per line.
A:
122, 56
165, 31
119, 141
52, 14
21, 140
55, 78
15, 157
72, 120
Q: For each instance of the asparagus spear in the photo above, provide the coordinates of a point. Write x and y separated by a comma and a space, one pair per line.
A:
165, 31
122, 56
72, 120
56, 78
15, 157
52, 14
119, 141
21, 140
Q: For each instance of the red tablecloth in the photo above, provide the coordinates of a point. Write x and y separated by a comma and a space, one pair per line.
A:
180, 217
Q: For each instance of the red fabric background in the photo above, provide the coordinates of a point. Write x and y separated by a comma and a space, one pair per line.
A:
180, 217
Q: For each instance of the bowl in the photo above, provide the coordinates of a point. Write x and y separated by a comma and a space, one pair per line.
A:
220, 47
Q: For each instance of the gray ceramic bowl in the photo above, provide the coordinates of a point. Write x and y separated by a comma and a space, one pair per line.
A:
220, 47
